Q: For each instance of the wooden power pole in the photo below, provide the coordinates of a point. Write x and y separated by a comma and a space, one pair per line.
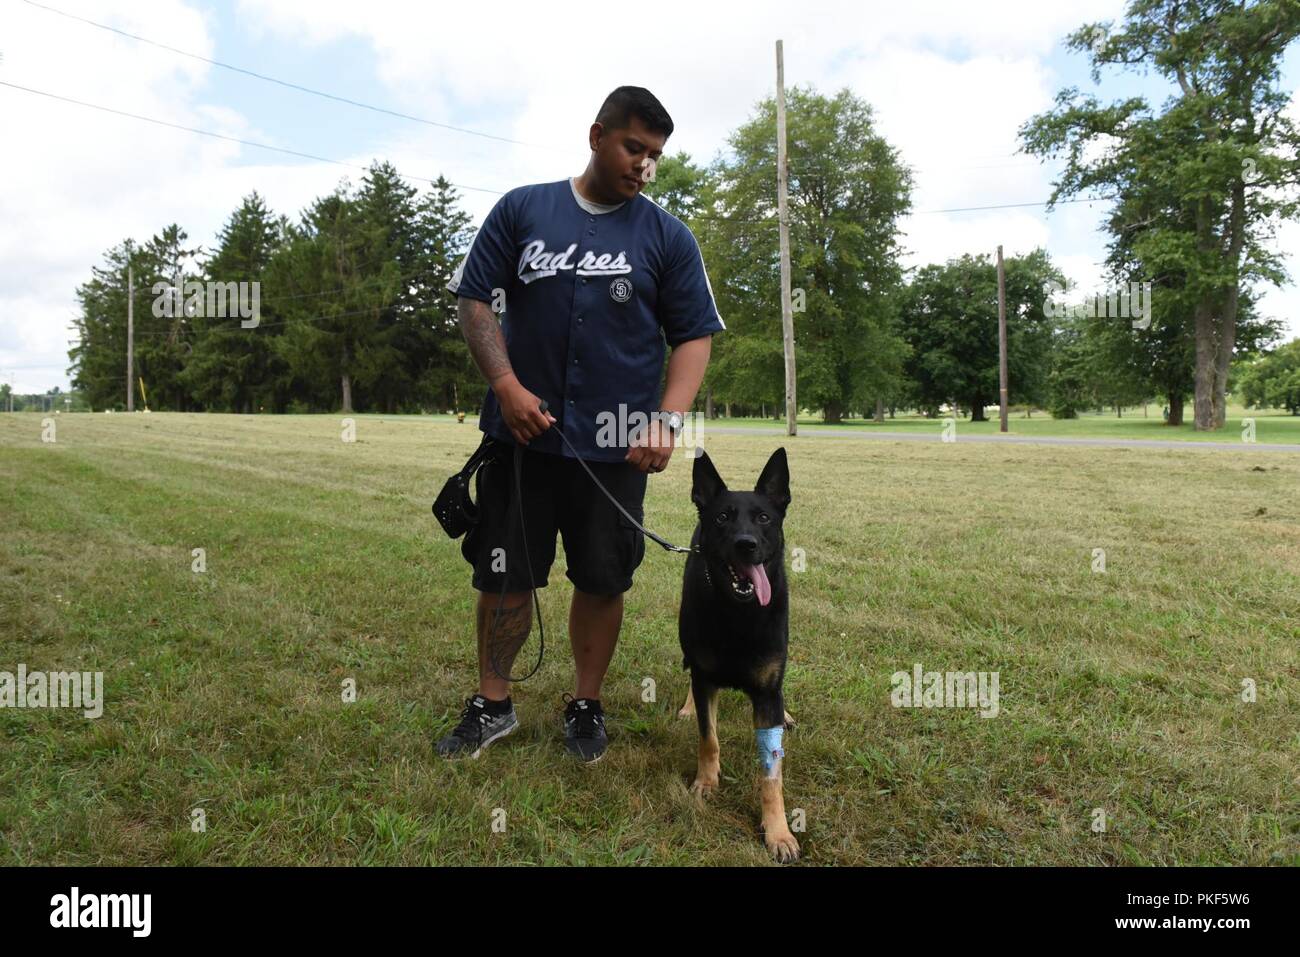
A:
130, 339
1002, 342
787, 309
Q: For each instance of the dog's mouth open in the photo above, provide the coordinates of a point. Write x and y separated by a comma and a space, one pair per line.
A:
750, 581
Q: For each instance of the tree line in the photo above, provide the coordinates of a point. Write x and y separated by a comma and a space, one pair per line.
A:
352, 315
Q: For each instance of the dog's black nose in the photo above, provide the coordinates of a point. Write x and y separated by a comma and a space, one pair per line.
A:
746, 545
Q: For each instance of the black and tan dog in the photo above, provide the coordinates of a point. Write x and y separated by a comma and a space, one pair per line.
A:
734, 625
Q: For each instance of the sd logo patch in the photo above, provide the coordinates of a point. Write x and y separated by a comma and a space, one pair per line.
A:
620, 290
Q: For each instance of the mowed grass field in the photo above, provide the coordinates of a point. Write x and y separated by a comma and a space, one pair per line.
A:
1119, 691
1272, 426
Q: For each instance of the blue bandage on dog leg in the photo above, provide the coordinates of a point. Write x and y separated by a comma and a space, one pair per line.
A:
769, 747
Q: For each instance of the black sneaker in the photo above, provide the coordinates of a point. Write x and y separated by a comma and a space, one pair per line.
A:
478, 728
584, 728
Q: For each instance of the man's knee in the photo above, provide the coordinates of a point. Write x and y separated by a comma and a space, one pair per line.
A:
597, 598
511, 599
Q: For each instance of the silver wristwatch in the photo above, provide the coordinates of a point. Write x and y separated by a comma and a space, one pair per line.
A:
674, 422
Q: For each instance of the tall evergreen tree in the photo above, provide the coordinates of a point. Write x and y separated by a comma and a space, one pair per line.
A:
341, 267
233, 368
388, 356
438, 360
162, 328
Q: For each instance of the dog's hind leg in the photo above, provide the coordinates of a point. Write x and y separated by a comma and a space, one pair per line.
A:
709, 767
688, 709
769, 715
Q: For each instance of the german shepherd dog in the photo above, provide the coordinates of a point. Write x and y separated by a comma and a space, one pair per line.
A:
734, 625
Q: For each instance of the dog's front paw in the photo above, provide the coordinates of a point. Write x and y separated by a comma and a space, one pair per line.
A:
704, 787
782, 846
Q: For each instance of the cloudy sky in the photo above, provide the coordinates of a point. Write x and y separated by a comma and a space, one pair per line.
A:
951, 82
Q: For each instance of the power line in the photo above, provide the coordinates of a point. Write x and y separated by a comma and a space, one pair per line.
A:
231, 139
921, 212
286, 83
819, 172
368, 283
479, 189
976, 209
203, 277
239, 330
364, 283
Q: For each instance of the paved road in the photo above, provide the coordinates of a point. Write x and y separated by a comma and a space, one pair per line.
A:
1016, 439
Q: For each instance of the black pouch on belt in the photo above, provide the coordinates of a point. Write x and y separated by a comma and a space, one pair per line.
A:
454, 509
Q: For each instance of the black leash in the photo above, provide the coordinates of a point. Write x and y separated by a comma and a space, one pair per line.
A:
517, 506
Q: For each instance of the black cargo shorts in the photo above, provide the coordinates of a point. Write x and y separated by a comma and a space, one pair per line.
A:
601, 547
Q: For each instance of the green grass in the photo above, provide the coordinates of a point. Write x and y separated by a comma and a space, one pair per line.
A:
1119, 690
1271, 426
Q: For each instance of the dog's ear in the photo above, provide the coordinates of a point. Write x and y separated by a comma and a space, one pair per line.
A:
706, 484
774, 482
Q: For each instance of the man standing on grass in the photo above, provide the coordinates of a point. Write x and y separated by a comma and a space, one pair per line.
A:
594, 279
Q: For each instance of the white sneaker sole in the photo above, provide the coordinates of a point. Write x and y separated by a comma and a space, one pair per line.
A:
496, 737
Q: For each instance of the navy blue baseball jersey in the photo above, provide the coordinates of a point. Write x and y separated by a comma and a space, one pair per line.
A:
589, 296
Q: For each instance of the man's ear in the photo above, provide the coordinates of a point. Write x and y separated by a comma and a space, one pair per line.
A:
706, 484
774, 482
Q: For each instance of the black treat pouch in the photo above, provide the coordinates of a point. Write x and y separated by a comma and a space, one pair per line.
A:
454, 509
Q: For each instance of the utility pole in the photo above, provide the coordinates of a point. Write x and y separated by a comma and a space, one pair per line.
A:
130, 338
787, 309
1002, 342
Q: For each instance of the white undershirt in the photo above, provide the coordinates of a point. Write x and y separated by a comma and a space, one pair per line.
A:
596, 209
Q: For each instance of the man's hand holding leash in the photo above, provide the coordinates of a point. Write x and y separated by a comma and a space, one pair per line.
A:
652, 446
521, 409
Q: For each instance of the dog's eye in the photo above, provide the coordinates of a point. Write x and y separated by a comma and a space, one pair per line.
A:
762, 518
722, 518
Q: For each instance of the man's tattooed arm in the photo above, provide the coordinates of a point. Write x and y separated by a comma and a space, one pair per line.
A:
519, 407
482, 332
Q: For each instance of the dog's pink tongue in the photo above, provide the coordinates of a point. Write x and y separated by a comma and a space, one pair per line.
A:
762, 587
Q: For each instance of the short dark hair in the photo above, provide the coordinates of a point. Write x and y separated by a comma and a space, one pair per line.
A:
627, 101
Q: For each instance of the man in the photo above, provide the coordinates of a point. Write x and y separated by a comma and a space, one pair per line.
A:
594, 278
